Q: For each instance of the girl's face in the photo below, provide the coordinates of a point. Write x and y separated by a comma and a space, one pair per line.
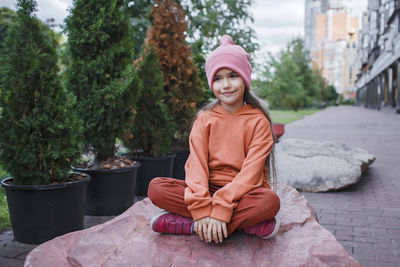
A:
229, 88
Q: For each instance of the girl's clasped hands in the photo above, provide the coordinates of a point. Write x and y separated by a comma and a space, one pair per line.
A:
210, 229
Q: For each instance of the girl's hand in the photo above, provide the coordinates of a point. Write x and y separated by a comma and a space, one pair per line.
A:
216, 231
200, 227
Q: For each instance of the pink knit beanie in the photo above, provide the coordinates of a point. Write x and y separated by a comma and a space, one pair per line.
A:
229, 55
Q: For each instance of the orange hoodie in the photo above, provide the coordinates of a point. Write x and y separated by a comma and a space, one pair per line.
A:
227, 151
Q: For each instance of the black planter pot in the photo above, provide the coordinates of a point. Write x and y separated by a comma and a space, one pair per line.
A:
179, 163
110, 192
42, 212
152, 167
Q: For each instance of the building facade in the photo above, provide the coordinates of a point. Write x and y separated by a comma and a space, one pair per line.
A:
378, 84
331, 37
312, 8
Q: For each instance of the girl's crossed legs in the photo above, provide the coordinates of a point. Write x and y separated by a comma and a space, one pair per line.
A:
256, 206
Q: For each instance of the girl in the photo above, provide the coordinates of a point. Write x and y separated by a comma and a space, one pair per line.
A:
227, 184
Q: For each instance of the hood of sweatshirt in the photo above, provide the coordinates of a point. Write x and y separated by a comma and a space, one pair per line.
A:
245, 110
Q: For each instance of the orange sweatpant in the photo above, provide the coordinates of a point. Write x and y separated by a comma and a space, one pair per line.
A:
254, 207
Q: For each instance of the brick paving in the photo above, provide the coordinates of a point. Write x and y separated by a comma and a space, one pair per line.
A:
365, 218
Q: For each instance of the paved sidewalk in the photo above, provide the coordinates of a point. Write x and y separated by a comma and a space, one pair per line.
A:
365, 218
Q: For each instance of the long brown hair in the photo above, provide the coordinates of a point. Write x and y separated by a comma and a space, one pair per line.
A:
256, 102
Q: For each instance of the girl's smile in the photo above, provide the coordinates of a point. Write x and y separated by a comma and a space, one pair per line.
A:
228, 93
229, 89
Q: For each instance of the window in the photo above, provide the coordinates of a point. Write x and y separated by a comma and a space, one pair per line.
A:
398, 22
350, 74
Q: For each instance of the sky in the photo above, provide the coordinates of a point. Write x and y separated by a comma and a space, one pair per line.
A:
275, 22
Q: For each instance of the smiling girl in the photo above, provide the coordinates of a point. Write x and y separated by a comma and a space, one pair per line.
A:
228, 173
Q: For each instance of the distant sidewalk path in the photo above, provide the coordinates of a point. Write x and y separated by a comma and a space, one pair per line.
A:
365, 218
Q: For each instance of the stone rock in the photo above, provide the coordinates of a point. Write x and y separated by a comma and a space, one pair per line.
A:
128, 240
320, 166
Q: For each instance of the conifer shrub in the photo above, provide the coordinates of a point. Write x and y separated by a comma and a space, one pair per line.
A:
39, 132
100, 72
153, 128
7, 17
182, 85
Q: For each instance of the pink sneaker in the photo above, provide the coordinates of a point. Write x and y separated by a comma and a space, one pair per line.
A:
170, 223
265, 230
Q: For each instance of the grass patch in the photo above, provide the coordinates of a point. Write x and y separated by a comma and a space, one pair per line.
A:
286, 116
4, 215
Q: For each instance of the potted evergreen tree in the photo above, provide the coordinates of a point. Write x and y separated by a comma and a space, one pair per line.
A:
150, 137
39, 134
101, 75
182, 86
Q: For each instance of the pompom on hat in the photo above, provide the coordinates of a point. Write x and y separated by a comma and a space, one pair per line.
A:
231, 56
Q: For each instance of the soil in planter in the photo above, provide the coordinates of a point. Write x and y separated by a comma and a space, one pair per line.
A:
71, 178
110, 164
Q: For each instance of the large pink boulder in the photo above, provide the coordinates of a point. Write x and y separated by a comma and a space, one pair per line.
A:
128, 240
